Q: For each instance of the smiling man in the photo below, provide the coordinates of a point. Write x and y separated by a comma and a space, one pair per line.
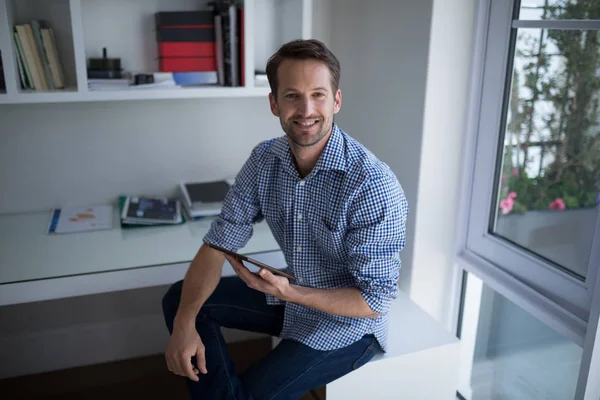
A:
339, 215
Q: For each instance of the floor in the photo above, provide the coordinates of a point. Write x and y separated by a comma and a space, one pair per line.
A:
142, 378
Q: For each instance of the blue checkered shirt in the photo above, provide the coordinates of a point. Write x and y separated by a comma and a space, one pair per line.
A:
341, 226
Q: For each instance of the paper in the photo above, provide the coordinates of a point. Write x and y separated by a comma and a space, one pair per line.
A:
80, 219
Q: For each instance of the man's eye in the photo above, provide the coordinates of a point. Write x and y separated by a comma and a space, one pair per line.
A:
291, 96
319, 94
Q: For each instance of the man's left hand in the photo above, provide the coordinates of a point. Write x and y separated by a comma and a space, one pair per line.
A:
267, 282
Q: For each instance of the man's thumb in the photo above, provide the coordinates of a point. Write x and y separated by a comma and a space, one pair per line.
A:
266, 275
201, 360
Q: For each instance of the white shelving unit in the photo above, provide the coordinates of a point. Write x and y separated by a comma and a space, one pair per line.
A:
126, 28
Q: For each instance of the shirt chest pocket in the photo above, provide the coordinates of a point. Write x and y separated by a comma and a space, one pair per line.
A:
328, 238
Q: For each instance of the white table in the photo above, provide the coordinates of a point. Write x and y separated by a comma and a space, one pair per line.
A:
35, 266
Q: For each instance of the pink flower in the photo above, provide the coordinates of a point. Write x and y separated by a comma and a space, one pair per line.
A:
557, 204
512, 195
506, 205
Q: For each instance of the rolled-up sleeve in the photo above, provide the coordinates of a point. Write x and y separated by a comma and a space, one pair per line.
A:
233, 227
376, 235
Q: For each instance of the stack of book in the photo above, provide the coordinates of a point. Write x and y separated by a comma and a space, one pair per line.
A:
37, 57
144, 210
203, 199
229, 34
203, 47
187, 46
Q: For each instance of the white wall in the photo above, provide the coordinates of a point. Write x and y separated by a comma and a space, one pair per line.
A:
382, 46
81, 153
439, 167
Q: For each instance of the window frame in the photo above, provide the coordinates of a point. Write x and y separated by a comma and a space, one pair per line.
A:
564, 299
552, 310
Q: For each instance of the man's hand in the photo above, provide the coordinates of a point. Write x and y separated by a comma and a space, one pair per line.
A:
347, 301
267, 282
183, 345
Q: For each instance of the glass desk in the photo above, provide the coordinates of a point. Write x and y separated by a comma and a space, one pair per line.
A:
35, 266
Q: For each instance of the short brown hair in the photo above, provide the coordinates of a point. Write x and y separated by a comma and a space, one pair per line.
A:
303, 49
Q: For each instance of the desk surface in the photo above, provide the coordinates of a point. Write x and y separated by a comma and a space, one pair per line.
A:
27, 253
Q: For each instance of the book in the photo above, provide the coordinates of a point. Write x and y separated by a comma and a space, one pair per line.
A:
202, 199
56, 69
37, 56
143, 210
36, 30
80, 219
29, 57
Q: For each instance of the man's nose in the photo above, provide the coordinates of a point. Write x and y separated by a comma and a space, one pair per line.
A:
306, 106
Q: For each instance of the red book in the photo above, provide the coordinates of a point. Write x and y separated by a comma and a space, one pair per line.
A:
187, 49
187, 64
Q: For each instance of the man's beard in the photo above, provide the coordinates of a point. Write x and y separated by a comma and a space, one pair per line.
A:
299, 139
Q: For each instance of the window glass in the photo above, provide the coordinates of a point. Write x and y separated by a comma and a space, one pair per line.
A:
548, 183
509, 354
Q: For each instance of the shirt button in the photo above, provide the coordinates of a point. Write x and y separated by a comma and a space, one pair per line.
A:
302, 183
299, 280
298, 249
299, 217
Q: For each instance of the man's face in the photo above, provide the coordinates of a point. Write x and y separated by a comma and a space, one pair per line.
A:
305, 102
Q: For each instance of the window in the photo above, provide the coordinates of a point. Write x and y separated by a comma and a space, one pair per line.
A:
531, 237
535, 191
509, 353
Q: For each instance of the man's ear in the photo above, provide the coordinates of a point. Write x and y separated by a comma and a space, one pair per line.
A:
337, 102
273, 104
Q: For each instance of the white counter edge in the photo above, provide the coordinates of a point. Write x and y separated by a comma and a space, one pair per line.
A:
110, 281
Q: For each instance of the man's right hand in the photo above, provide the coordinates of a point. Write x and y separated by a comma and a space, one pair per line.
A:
183, 345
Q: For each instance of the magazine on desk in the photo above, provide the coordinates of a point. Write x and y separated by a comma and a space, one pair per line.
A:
80, 219
145, 210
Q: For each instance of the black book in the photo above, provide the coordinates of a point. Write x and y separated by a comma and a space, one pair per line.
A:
151, 210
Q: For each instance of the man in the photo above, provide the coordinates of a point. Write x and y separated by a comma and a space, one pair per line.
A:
338, 214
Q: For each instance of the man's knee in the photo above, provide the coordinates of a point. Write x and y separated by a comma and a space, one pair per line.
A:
170, 302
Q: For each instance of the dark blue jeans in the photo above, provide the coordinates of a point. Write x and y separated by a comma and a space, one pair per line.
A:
287, 372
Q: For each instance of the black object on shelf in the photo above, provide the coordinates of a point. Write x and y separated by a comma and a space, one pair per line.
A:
104, 68
142, 79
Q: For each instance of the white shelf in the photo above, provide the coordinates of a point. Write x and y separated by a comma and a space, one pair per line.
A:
125, 28
133, 94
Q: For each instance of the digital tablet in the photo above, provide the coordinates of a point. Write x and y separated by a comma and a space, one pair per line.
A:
242, 257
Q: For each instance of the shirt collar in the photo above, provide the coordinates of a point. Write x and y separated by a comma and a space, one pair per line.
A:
332, 157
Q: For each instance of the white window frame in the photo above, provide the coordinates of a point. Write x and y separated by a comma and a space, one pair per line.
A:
568, 298
564, 303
